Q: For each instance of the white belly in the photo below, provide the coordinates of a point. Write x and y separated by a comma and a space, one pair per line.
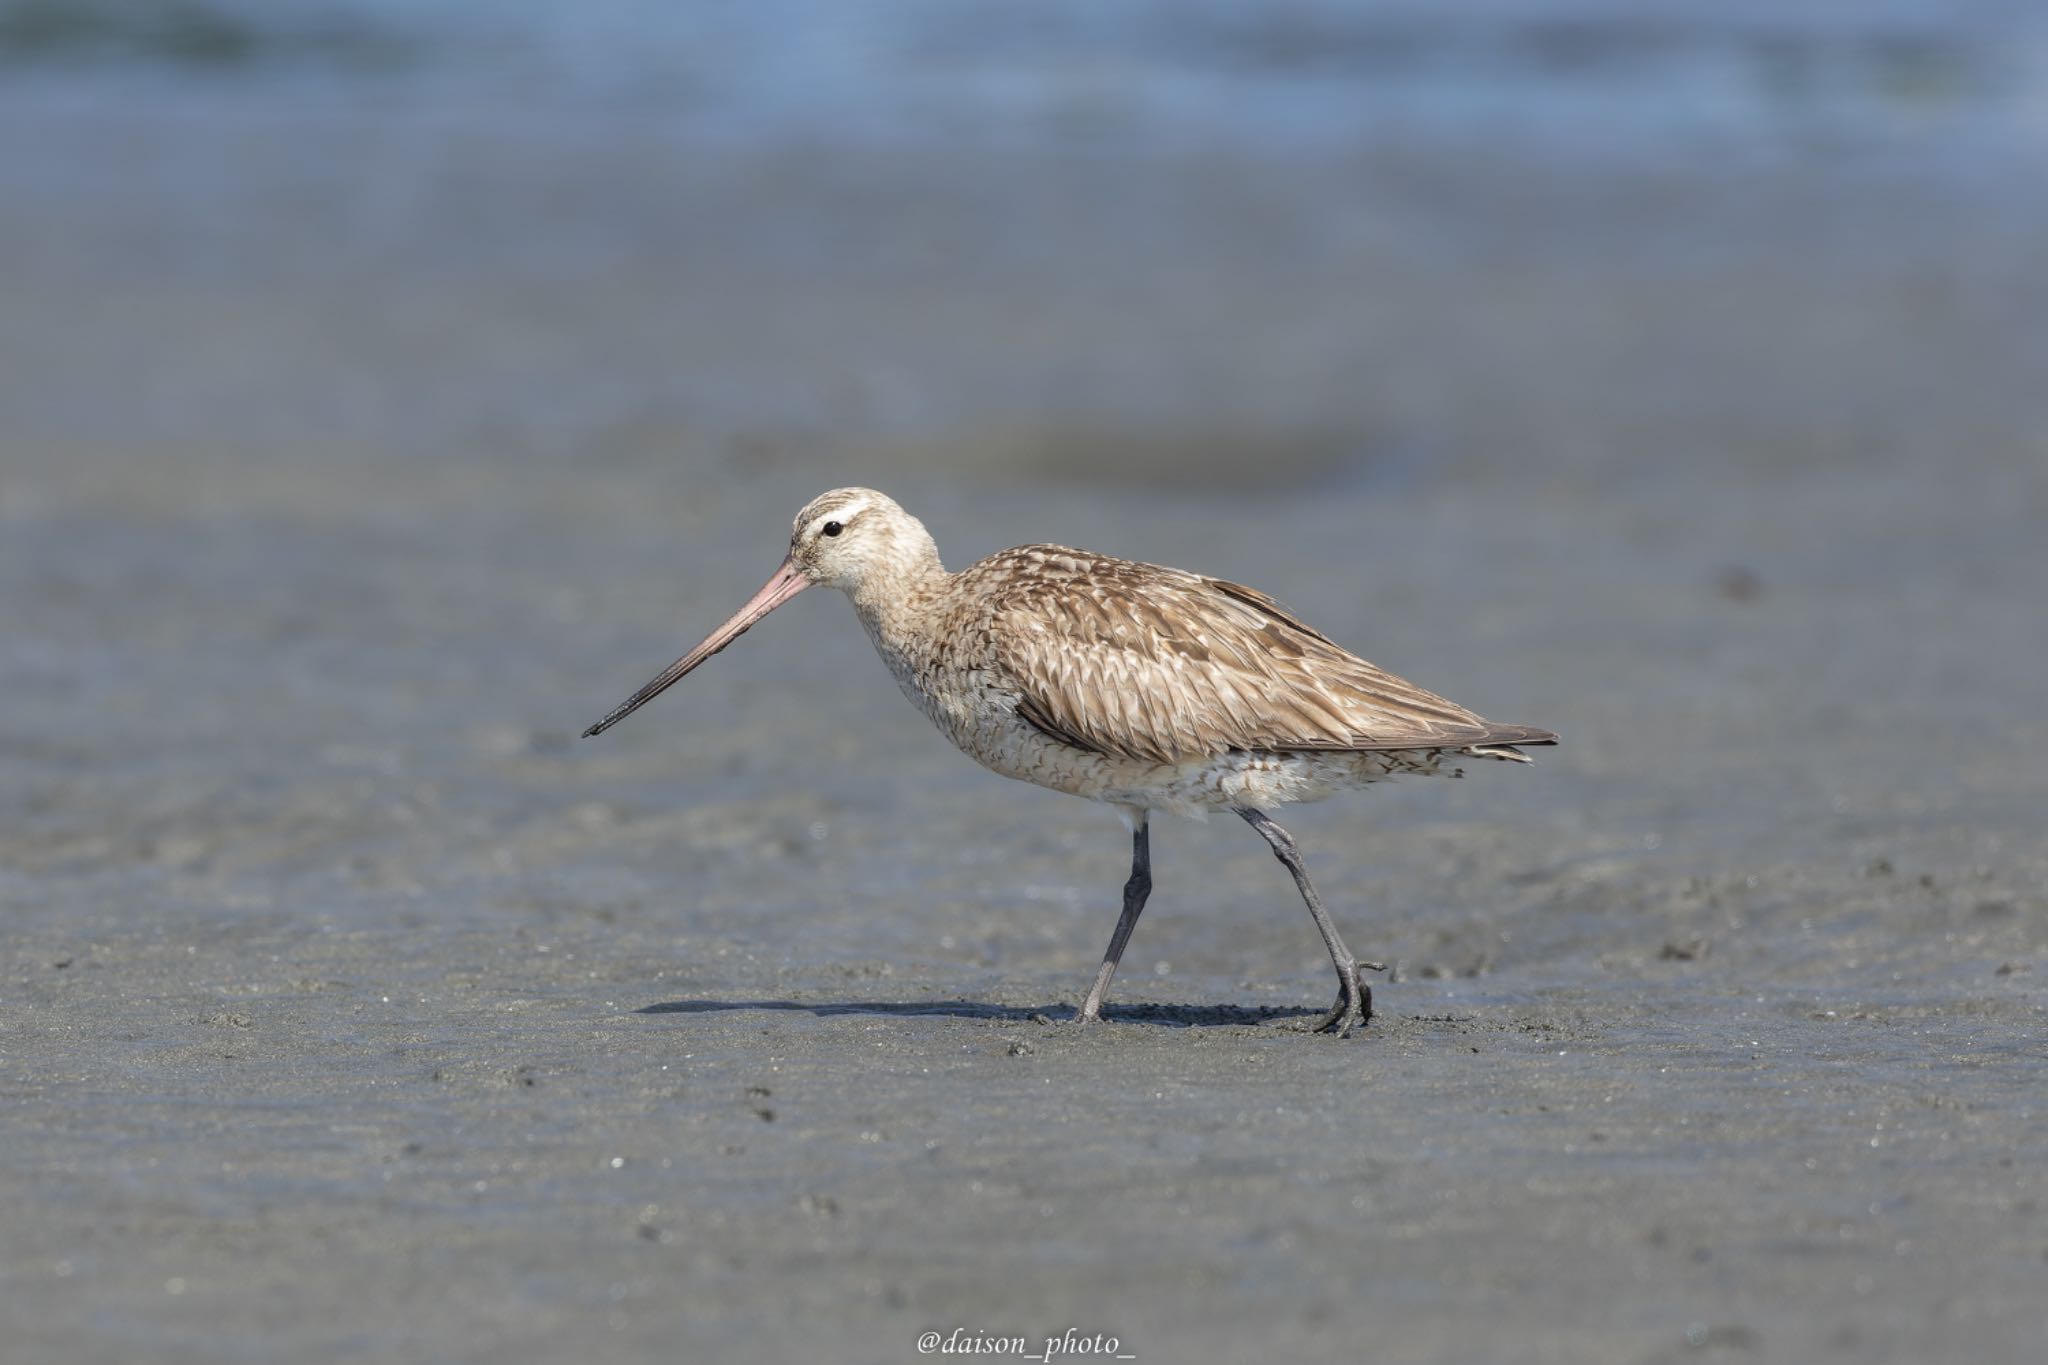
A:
1192, 787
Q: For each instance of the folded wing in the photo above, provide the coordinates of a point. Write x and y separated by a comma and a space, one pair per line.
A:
1152, 663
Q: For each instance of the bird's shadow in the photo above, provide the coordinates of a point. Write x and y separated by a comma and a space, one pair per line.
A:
1167, 1016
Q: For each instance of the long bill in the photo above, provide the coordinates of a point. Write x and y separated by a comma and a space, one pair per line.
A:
787, 583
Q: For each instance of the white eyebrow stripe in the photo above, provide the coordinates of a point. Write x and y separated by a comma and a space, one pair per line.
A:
850, 511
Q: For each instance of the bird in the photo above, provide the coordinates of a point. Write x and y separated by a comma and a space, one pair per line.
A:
1147, 688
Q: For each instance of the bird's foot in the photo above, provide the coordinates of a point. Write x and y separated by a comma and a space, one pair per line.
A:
1353, 1009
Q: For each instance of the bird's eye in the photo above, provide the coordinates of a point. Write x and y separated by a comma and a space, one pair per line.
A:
832, 528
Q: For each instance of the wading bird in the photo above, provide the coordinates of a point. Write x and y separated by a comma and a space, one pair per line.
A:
1144, 687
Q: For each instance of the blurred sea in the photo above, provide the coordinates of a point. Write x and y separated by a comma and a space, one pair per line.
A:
1821, 76
1306, 234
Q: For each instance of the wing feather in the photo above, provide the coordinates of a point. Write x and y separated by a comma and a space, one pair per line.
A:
1146, 662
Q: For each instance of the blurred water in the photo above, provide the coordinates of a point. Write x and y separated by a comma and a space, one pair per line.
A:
1598, 74
783, 215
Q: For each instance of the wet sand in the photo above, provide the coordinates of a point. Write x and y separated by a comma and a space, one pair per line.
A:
351, 1009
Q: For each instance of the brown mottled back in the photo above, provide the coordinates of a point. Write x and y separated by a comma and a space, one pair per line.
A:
1147, 662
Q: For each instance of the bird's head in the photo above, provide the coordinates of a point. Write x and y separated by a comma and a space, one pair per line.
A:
853, 539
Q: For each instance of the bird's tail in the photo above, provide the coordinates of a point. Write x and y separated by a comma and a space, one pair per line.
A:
1501, 743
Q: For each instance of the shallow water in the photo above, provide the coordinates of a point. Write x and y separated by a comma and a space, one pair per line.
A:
365, 437
1299, 73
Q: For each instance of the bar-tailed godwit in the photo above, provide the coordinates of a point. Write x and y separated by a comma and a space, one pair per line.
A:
1144, 687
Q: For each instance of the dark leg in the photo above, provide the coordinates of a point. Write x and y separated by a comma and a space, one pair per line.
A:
1135, 891
1354, 997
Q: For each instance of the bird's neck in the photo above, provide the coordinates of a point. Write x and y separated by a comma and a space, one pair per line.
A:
889, 603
